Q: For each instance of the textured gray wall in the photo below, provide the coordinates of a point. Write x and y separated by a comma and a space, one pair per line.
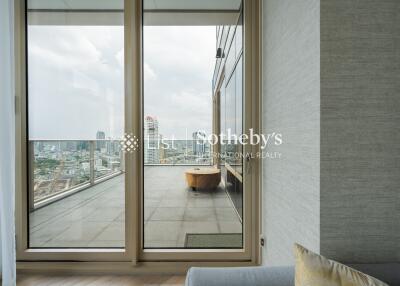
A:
360, 130
291, 94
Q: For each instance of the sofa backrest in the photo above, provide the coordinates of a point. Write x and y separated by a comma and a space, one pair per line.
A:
386, 272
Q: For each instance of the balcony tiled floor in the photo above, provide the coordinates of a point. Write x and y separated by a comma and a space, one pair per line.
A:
95, 217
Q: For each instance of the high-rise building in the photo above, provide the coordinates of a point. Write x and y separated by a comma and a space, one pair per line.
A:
151, 141
100, 135
110, 147
199, 144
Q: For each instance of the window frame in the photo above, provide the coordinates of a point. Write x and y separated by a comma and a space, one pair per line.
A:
121, 260
24, 253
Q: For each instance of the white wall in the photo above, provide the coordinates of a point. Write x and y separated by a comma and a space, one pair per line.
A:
291, 106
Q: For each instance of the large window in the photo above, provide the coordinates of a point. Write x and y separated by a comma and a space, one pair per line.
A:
120, 102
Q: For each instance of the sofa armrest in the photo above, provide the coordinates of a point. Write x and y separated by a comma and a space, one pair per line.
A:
240, 276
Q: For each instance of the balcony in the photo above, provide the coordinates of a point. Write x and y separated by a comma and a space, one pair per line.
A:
91, 212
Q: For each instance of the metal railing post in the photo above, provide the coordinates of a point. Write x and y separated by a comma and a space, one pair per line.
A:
31, 176
91, 161
122, 160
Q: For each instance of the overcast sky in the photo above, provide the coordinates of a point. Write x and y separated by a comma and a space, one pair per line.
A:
76, 80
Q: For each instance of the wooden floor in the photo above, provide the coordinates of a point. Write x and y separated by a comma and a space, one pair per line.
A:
108, 280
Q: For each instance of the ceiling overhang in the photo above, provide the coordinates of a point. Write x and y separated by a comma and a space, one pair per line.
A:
156, 12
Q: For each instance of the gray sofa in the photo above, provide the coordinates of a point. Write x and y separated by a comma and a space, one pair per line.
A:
276, 276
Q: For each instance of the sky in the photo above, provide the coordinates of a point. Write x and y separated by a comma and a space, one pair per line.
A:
76, 80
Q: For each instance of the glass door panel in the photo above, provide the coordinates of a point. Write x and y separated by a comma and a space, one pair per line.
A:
75, 80
188, 201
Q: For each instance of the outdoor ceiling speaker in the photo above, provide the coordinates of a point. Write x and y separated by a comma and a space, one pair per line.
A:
219, 53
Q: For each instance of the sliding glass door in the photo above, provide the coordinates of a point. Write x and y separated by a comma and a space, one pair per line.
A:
76, 175
75, 88
131, 114
193, 186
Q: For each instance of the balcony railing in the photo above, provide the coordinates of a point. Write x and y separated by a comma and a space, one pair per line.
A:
59, 168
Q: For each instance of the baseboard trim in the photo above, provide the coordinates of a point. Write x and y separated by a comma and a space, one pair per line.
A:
29, 267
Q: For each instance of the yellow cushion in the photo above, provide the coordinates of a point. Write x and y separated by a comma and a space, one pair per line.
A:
315, 270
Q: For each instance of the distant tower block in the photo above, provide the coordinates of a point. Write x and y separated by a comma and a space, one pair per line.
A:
100, 135
151, 141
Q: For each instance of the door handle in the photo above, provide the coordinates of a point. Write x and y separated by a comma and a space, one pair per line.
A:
248, 163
